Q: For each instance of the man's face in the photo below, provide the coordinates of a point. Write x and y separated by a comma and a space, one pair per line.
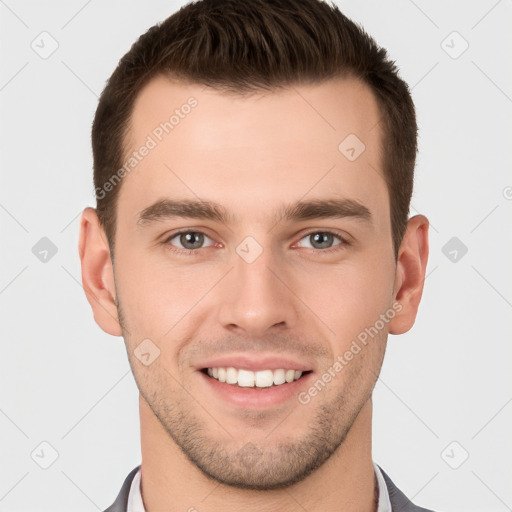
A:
257, 291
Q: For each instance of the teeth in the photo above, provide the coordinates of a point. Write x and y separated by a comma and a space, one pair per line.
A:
289, 375
264, 379
279, 377
249, 379
245, 378
231, 375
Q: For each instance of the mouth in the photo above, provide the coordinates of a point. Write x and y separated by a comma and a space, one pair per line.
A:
264, 378
254, 381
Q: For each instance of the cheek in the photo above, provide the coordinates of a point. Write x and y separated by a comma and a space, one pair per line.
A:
346, 299
161, 298
157, 296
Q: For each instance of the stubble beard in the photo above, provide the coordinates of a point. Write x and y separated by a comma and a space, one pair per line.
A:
252, 465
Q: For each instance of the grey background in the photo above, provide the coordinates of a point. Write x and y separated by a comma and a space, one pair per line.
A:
66, 383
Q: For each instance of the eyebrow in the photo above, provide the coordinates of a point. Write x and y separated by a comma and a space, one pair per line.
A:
301, 210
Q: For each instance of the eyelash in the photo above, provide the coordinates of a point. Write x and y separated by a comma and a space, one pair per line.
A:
194, 252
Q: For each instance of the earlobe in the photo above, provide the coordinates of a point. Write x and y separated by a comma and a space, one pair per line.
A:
97, 272
410, 274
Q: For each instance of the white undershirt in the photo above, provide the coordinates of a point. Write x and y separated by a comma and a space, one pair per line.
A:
135, 503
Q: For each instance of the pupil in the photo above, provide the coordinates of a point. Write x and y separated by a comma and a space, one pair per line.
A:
188, 238
326, 239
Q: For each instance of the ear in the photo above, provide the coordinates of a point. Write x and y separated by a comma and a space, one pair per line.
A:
410, 274
97, 272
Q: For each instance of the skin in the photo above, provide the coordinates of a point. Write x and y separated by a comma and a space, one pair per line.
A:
252, 155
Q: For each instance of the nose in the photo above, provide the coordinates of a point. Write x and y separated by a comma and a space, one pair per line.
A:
257, 297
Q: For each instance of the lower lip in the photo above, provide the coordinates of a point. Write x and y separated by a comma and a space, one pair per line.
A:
256, 398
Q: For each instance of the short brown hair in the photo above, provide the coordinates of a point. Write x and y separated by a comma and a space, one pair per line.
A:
249, 46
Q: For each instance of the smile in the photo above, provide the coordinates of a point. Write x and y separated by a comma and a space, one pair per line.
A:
250, 379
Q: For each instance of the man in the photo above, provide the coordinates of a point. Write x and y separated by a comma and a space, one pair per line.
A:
253, 166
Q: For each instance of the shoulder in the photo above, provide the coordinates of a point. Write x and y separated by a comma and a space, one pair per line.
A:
399, 501
121, 502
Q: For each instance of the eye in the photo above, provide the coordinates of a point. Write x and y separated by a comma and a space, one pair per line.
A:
323, 240
187, 241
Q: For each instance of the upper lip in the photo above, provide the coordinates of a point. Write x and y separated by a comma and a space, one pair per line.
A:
255, 363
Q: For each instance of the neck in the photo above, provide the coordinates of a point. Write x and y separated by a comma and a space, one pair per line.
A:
170, 481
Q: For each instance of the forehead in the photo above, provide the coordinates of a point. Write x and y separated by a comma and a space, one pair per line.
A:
257, 151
